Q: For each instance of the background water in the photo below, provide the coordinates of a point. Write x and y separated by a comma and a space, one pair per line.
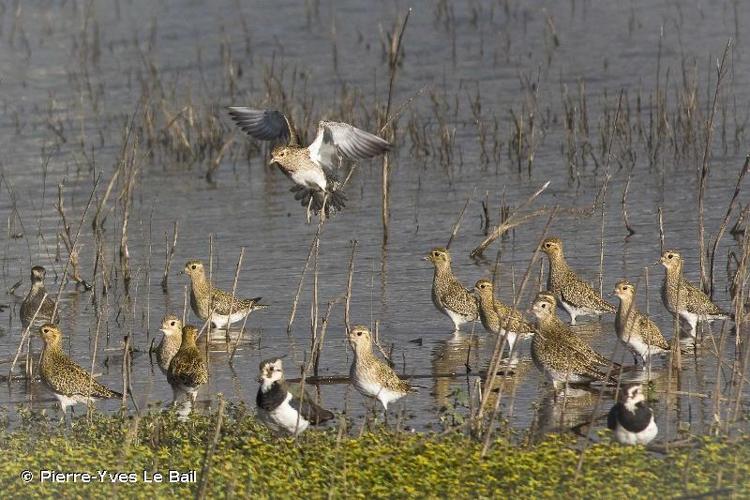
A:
74, 74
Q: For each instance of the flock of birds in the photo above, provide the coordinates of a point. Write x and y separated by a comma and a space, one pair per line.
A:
556, 349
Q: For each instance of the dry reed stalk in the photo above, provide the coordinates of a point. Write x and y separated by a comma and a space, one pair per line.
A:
721, 71
457, 224
513, 220
168, 256
393, 61
501, 342
723, 226
348, 295
209, 454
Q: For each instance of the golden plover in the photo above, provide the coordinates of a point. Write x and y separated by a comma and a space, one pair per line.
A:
682, 298
70, 383
371, 376
559, 353
631, 419
171, 327
499, 318
575, 295
636, 331
33, 300
311, 168
448, 294
187, 370
206, 299
281, 410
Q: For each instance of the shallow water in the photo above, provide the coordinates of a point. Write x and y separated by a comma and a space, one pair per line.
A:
49, 94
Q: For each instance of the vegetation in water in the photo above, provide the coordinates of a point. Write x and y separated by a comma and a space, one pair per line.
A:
244, 459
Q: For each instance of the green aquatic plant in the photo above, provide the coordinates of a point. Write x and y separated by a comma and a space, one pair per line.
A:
249, 461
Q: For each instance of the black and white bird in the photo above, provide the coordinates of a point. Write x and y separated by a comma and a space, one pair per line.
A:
631, 419
311, 168
281, 410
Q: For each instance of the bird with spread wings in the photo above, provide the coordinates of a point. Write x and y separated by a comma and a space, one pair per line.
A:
312, 168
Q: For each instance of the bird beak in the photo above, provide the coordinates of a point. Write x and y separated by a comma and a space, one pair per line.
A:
426, 257
272, 161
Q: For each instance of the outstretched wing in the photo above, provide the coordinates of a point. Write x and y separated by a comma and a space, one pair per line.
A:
263, 124
337, 140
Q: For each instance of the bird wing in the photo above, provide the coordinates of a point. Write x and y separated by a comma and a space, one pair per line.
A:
76, 381
306, 406
698, 302
336, 140
580, 294
651, 333
612, 417
389, 378
188, 368
514, 318
264, 124
223, 299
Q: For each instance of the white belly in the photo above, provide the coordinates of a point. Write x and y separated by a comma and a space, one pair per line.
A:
644, 437
377, 391
284, 418
222, 320
313, 178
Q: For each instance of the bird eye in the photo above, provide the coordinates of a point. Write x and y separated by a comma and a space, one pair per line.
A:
544, 306
171, 323
46, 330
359, 334
193, 266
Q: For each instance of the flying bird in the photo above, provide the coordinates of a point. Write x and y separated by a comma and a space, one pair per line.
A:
312, 168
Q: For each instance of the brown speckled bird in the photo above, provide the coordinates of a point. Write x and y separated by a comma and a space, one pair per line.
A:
187, 370
448, 294
371, 376
204, 297
70, 383
33, 300
499, 318
682, 298
559, 353
574, 294
310, 168
636, 331
171, 327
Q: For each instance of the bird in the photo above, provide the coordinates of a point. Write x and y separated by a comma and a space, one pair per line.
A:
311, 168
499, 318
682, 298
631, 419
371, 376
37, 300
279, 408
448, 294
574, 294
206, 299
636, 331
187, 370
70, 383
560, 354
171, 327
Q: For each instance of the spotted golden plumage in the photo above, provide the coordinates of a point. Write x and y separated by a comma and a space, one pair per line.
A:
682, 298
448, 294
574, 294
36, 300
635, 330
205, 298
371, 376
187, 370
499, 318
70, 383
171, 327
559, 353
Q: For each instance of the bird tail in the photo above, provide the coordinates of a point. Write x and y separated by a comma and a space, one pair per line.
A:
333, 201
